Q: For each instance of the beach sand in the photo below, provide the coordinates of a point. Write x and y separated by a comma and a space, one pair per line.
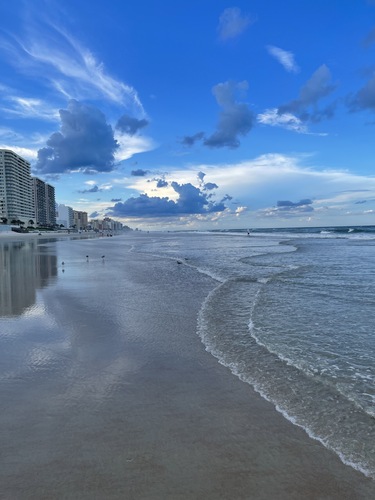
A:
135, 408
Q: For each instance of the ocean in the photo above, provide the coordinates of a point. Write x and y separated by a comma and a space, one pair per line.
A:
291, 312
293, 315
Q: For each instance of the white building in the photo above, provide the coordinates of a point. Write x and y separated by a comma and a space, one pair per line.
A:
64, 215
16, 201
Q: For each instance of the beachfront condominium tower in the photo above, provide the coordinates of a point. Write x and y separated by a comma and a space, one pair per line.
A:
44, 202
80, 219
65, 216
16, 201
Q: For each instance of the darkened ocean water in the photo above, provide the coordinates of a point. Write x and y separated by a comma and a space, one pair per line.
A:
291, 313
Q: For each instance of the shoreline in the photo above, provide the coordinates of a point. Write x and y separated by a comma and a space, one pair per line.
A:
155, 416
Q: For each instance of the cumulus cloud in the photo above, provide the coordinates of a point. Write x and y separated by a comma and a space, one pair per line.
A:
94, 189
85, 142
210, 185
286, 209
139, 172
190, 140
289, 205
285, 58
232, 23
191, 201
130, 125
315, 89
364, 99
160, 183
235, 118
205, 186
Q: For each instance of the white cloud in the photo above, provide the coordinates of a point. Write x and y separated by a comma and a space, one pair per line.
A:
28, 154
31, 108
131, 145
285, 120
285, 58
69, 67
232, 23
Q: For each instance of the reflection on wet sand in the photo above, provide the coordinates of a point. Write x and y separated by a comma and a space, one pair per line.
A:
22, 272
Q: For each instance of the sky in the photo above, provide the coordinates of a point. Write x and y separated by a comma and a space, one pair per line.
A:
195, 115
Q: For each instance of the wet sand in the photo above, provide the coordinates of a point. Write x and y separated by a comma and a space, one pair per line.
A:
143, 411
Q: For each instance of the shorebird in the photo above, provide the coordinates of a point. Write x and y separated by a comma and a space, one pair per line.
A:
62, 263
87, 258
103, 257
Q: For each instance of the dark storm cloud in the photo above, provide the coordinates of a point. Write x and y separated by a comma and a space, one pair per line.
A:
300, 206
315, 89
235, 118
94, 189
130, 125
190, 140
191, 200
94, 215
85, 142
139, 172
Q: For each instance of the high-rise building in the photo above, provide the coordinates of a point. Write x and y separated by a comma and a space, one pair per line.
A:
38, 189
50, 205
65, 215
44, 202
80, 219
16, 201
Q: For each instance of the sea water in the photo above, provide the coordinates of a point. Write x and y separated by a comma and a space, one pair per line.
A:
293, 314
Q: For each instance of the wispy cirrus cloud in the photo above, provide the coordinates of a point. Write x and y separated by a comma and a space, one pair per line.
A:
67, 66
25, 107
285, 58
233, 23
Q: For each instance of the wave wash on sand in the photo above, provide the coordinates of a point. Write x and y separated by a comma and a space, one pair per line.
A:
108, 392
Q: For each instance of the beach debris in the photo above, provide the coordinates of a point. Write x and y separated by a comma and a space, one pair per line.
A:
179, 262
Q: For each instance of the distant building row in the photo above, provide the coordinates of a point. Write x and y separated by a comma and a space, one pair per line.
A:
26, 199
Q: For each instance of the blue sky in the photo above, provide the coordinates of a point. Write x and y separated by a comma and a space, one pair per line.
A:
195, 115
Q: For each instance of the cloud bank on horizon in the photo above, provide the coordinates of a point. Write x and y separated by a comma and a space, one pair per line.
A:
279, 122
